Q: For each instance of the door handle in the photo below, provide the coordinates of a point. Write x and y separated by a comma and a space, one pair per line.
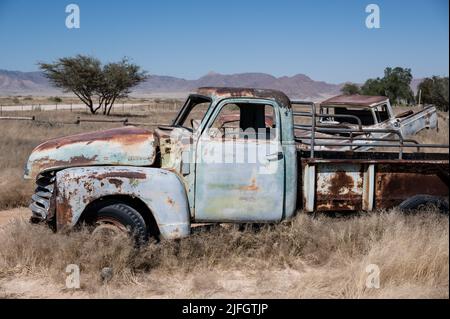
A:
275, 156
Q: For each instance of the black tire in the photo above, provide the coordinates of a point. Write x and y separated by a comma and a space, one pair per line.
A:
124, 217
417, 201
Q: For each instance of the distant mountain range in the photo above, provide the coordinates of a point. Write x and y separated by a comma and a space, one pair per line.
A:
297, 86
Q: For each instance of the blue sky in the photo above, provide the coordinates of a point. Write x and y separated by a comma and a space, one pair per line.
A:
324, 39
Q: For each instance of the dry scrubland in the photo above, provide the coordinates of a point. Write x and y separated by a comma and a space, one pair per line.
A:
310, 256
61, 99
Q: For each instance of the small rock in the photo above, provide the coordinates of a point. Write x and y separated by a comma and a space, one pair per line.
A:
106, 274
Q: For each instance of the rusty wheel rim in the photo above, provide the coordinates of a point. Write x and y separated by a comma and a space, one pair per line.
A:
107, 228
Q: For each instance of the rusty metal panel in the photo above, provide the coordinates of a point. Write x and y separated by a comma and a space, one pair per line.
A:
161, 190
339, 187
119, 146
396, 182
354, 100
426, 118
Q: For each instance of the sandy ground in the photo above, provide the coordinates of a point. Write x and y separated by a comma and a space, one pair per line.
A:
210, 284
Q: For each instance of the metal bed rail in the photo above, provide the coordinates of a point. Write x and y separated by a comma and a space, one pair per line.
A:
353, 133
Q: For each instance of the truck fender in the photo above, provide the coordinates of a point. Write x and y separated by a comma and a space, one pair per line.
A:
161, 190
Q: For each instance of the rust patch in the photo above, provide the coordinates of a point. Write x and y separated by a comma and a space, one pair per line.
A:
76, 160
395, 184
116, 182
251, 187
170, 201
131, 175
124, 135
354, 100
88, 186
340, 182
63, 214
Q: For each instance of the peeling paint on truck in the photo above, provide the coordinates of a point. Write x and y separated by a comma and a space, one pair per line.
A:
161, 191
130, 146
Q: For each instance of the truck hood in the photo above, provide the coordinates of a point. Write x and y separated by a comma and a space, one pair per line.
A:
131, 146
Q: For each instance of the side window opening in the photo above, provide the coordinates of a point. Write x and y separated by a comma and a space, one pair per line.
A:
365, 115
194, 110
245, 121
382, 113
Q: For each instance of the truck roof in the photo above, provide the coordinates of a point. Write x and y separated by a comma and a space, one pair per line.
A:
355, 100
219, 93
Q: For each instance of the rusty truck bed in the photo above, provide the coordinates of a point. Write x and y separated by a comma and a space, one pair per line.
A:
344, 181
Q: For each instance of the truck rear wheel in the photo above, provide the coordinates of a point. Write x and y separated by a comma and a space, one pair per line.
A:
419, 201
117, 219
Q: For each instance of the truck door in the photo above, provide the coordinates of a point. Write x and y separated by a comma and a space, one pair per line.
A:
240, 163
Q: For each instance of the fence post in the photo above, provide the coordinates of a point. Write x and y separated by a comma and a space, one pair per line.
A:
1, 109
123, 108
22, 107
70, 107
56, 106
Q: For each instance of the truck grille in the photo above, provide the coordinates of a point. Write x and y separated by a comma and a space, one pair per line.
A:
41, 201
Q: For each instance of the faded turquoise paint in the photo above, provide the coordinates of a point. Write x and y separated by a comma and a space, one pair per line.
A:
281, 105
161, 190
128, 146
239, 191
234, 181
290, 160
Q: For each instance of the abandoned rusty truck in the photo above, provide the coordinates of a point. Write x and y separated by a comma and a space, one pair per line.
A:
230, 155
373, 113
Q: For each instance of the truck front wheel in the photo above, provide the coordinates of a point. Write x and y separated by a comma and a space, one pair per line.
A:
419, 201
116, 219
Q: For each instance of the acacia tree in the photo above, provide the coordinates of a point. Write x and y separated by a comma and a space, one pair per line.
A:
118, 79
89, 80
80, 75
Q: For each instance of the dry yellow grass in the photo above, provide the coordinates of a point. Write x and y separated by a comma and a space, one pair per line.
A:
307, 257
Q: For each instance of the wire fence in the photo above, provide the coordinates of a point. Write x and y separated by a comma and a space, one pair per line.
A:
77, 121
117, 108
